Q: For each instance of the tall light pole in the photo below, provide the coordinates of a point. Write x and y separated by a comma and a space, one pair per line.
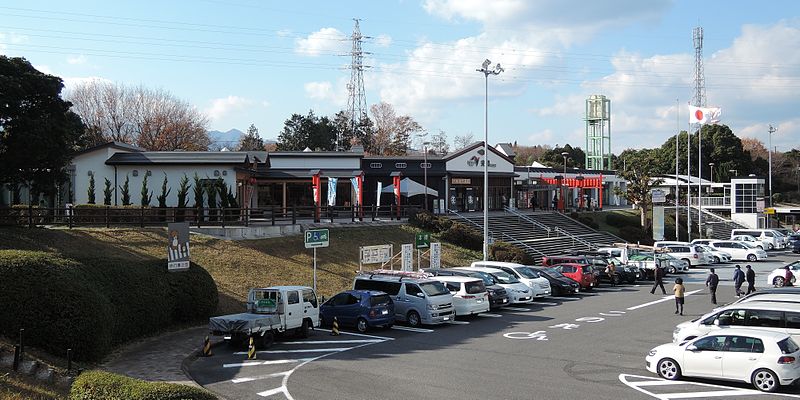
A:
771, 130
711, 169
563, 200
425, 171
486, 72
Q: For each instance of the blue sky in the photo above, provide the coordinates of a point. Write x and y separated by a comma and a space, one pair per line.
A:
248, 61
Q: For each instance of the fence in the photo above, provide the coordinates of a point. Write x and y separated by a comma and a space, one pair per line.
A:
108, 216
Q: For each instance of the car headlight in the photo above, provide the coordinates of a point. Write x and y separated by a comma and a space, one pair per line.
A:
431, 307
651, 352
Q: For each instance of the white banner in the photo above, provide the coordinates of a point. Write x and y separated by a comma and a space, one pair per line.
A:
332, 191
354, 182
658, 223
407, 257
378, 196
436, 255
376, 254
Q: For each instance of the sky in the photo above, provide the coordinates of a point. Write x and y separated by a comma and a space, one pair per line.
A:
257, 62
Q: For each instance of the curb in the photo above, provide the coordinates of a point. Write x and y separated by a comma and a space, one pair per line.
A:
193, 357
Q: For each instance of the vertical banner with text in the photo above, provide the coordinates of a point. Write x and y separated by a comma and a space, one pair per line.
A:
407, 257
178, 246
436, 255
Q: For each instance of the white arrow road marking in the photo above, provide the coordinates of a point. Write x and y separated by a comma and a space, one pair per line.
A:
271, 392
641, 382
334, 349
255, 378
663, 299
410, 329
268, 362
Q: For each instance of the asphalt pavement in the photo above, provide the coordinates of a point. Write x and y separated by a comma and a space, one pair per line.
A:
588, 346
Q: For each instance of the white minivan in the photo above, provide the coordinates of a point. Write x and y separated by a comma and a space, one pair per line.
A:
469, 294
518, 292
772, 240
417, 298
773, 316
539, 286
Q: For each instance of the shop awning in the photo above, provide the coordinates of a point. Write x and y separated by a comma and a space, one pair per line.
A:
409, 187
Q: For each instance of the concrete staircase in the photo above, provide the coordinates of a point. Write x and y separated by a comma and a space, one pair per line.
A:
720, 227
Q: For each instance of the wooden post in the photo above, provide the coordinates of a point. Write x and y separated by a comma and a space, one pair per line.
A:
108, 225
30, 213
141, 220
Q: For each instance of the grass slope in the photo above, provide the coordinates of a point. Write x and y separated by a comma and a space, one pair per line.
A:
236, 266
15, 386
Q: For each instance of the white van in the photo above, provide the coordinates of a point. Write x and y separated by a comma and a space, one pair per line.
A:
695, 255
469, 294
774, 316
518, 292
771, 239
418, 299
539, 286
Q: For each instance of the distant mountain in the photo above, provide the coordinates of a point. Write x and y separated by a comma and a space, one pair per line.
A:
228, 139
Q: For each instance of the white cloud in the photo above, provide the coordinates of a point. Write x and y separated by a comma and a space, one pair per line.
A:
319, 90
12, 38
383, 40
325, 40
284, 32
72, 82
77, 60
224, 105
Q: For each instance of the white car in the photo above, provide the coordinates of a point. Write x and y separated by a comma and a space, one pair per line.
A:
776, 277
518, 292
693, 254
767, 360
749, 239
740, 250
539, 286
717, 256
469, 294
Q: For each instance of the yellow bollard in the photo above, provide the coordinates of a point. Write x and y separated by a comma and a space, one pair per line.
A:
251, 350
335, 327
206, 347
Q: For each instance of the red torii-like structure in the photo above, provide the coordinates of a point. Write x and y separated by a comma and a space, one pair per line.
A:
579, 182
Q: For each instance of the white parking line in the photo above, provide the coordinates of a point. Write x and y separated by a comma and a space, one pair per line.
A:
562, 298
256, 378
701, 390
516, 309
335, 349
271, 392
357, 334
410, 329
490, 315
336, 341
267, 362
663, 299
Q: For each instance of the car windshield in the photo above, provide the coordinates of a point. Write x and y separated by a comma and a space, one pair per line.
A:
504, 277
434, 288
527, 272
379, 300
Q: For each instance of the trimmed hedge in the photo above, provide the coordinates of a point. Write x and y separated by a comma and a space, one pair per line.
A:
618, 220
93, 305
502, 251
461, 235
426, 221
101, 385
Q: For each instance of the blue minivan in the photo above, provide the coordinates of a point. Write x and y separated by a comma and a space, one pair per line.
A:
363, 309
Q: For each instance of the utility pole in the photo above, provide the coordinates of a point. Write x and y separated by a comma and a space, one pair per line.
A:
771, 130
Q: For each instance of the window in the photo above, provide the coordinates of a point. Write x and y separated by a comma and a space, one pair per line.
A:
294, 297
392, 288
742, 344
765, 318
413, 290
379, 300
788, 346
340, 299
352, 300
792, 320
475, 287
425, 165
453, 286
434, 288
710, 343
400, 165
309, 297
375, 165
732, 317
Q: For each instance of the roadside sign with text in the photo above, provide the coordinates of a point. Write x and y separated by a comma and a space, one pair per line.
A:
659, 196
317, 238
436, 255
376, 254
422, 240
407, 257
178, 246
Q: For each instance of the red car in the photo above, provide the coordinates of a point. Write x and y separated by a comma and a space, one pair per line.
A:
581, 273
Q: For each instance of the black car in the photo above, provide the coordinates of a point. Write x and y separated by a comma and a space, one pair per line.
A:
794, 242
599, 261
559, 284
498, 296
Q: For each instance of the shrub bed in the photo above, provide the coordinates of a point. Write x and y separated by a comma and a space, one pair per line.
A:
93, 305
502, 251
618, 220
101, 385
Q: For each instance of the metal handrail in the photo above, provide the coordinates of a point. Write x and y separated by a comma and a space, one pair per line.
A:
527, 219
574, 238
510, 239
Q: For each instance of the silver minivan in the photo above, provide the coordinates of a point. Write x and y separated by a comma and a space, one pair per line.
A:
417, 298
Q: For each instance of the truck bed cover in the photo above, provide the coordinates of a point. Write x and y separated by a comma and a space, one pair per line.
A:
243, 322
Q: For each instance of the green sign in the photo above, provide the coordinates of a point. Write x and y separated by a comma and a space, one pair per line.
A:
266, 303
317, 238
422, 240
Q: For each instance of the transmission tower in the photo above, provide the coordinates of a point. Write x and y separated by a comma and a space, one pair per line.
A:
357, 100
699, 98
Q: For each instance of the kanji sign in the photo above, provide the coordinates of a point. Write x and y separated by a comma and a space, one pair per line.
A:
178, 246
436, 255
317, 238
376, 254
422, 240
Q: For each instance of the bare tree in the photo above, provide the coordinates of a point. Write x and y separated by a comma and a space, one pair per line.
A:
439, 143
150, 118
459, 142
392, 132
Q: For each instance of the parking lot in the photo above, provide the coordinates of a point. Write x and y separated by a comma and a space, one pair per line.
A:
591, 345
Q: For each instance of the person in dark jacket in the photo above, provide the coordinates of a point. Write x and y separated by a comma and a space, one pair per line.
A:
738, 280
750, 277
712, 282
658, 280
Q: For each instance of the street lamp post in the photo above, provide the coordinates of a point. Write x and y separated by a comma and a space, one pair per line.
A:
425, 171
563, 200
771, 130
486, 72
711, 169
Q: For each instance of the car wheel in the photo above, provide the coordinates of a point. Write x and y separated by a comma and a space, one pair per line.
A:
413, 319
760, 247
302, 331
778, 281
361, 325
751, 257
688, 262
669, 369
716, 260
616, 279
265, 341
770, 247
765, 380
673, 270
632, 280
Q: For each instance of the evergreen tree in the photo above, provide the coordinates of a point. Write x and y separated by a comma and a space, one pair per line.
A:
90, 191
107, 192
198, 192
162, 198
183, 191
251, 141
126, 193
147, 195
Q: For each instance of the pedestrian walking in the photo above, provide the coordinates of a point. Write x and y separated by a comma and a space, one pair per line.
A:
555, 202
712, 282
658, 280
680, 291
611, 271
738, 280
750, 277
788, 277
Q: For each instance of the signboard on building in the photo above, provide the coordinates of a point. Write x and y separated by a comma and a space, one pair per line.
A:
658, 223
178, 246
659, 196
317, 238
460, 181
422, 240
376, 254
407, 257
436, 255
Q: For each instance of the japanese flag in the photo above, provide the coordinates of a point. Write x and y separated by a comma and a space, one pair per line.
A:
704, 115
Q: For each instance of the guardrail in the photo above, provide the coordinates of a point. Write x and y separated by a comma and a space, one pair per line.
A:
711, 201
509, 238
574, 238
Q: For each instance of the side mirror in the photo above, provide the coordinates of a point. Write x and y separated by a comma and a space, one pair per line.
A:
692, 348
716, 322
420, 295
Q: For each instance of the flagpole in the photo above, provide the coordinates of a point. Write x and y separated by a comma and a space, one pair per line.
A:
677, 157
689, 184
699, 181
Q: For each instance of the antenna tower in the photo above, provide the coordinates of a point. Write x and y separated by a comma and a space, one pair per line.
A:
357, 100
699, 98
